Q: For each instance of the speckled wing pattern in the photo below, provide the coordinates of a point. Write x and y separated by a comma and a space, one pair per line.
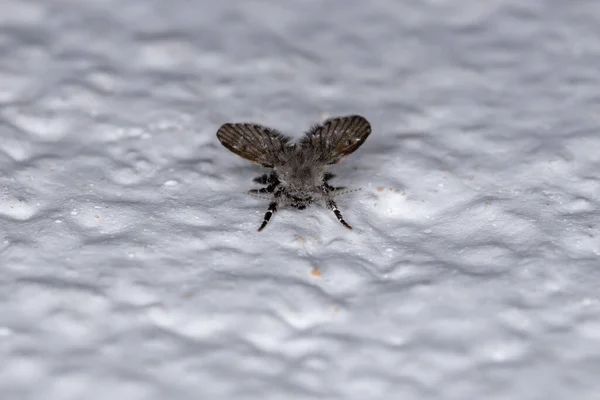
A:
257, 143
337, 137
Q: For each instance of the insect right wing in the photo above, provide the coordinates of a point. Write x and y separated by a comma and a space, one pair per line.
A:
257, 143
337, 137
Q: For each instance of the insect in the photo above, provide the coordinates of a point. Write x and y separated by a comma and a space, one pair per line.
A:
298, 177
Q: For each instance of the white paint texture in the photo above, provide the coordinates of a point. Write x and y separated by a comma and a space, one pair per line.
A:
130, 265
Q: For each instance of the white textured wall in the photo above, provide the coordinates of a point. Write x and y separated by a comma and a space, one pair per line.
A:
130, 265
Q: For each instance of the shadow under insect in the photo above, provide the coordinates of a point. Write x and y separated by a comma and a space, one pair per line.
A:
298, 177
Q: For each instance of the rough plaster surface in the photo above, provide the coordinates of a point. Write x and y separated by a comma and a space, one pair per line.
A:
130, 265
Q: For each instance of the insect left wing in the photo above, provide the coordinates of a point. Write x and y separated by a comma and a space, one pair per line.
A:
337, 137
257, 143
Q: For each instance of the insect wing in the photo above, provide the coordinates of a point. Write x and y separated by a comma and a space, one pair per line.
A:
337, 137
257, 143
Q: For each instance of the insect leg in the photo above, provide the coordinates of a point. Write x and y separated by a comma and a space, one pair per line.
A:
268, 189
333, 207
272, 208
263, 179
266, 179
328, 176
328, 188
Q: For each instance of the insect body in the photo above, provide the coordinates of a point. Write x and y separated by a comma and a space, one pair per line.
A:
299, 176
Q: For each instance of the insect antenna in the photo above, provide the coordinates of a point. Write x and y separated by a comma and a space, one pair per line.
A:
259, 195
343, 191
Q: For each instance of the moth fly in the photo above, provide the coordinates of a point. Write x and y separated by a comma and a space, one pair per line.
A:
298, 177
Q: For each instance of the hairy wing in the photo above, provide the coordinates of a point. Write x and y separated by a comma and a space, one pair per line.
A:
337, 137
257, 143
